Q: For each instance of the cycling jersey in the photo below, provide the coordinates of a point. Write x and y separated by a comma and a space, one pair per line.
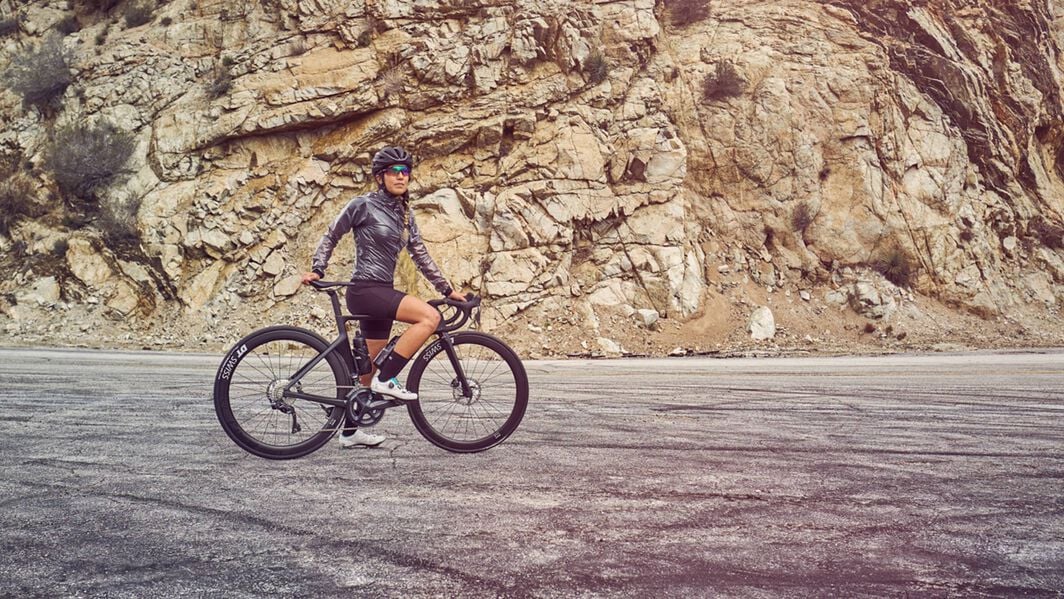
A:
376, 221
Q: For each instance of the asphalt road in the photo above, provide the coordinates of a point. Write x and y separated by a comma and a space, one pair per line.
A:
926, 475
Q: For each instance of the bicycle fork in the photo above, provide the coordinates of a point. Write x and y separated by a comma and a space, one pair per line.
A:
460, 377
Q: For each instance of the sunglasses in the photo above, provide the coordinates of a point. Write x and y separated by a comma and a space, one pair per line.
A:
399, 169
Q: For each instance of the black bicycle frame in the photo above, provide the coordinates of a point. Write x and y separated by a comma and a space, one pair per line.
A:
344, 341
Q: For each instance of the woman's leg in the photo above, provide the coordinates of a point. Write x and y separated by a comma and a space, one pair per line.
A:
375, 346
423, 320
350, 429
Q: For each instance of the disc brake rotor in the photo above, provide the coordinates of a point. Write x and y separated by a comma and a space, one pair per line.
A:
459, 397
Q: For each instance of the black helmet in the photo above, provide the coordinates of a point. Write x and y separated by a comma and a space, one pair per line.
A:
389, 156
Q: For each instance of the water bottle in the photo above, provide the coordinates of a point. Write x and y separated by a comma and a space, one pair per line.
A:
360, 352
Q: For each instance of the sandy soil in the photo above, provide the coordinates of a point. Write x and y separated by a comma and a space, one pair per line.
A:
807, 323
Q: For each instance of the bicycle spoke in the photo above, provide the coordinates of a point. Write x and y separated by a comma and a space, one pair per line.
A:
262, 415
467, 418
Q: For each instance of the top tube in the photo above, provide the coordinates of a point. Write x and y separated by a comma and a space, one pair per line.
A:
465, 309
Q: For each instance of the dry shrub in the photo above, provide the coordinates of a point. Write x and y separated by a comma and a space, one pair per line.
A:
724, 82
392, 77
100, 5
69, 24
86, 157
138, 13
802, 217
596, 68
18, 200
220, 84
118, 227
40, 76
9, 26
896, 267
685, 12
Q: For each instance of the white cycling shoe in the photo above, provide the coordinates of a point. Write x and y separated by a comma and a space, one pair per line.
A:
361, 439
392, 388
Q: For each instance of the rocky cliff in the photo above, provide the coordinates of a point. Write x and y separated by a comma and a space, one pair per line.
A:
623, 176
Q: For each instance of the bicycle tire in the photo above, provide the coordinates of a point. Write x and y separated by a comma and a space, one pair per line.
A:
482, 421
242, 395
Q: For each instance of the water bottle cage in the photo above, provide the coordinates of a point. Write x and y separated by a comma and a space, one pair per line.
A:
381, 356
360, 353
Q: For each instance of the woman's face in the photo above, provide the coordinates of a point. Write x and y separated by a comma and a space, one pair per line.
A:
396, 179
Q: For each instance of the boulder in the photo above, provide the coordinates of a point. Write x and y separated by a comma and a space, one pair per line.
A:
288, 286
43, 292
762, 325
647, 318
867, 300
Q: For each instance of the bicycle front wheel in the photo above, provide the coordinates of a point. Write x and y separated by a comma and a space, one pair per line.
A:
249, 393
468, 422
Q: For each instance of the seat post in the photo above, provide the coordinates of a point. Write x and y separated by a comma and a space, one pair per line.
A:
337, 312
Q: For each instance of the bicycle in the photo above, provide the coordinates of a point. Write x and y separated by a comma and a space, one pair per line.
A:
282, 392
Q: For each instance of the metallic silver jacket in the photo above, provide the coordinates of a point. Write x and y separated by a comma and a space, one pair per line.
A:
376, 220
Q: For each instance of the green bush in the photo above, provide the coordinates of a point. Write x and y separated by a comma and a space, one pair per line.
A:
724, 82
84, 158
596, 68
40, 76
138, 13
685, 12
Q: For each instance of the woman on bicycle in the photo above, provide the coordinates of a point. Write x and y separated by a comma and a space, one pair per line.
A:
382, 223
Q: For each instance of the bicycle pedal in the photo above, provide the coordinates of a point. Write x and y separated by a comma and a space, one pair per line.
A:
374, 404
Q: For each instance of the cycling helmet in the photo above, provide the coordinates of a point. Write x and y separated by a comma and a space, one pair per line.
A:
391, 155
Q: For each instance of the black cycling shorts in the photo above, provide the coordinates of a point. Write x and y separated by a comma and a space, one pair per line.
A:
380, 301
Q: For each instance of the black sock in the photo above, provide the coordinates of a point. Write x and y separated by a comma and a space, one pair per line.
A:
391, 366
348, 430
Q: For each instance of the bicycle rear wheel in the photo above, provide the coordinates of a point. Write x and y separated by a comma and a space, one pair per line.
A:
448, 418
249, 386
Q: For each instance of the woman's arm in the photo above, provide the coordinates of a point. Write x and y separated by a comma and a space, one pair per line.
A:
351, 216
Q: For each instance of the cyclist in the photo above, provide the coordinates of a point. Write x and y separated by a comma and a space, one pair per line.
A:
382, 223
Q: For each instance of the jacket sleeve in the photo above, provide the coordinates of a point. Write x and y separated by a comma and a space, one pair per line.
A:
420, 254
352, 215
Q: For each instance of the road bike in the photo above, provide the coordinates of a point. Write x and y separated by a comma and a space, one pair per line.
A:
282, 392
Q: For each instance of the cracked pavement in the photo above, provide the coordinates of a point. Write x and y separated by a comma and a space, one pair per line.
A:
925, 474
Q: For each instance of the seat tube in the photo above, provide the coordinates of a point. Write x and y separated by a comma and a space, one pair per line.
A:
337, 313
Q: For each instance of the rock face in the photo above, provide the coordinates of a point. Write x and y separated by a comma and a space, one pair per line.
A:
574, 159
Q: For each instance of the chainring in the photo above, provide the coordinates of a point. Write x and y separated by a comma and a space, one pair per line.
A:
359, 413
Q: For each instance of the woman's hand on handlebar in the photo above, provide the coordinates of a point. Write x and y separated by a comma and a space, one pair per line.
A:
457, 296
308, 277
